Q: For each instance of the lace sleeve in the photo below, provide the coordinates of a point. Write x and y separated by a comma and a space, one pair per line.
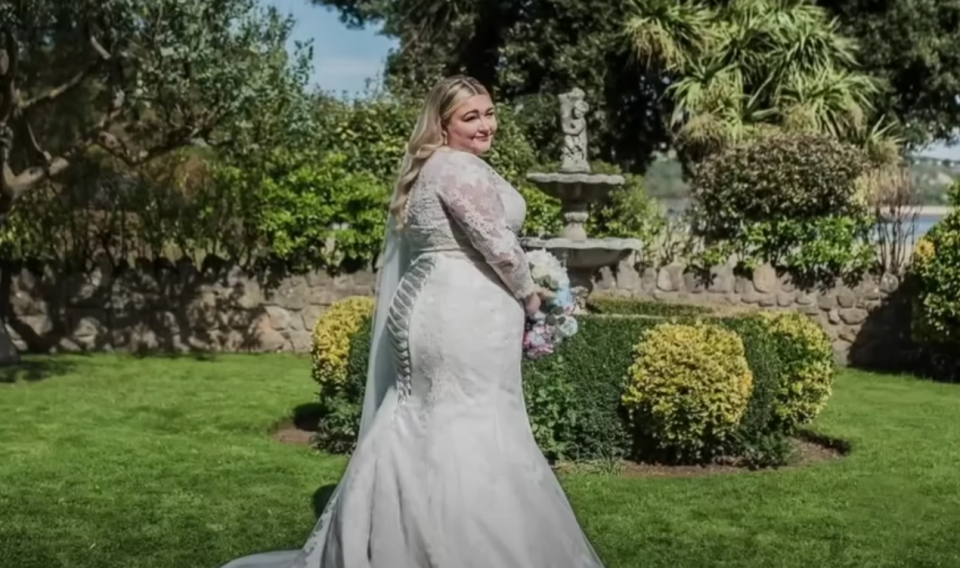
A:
471, 200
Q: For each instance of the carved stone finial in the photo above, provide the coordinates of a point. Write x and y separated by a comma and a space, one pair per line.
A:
573, 121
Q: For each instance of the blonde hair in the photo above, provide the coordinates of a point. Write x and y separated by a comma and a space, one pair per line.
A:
438, 108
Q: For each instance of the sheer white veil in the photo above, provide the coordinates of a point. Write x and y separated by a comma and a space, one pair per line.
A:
381, 368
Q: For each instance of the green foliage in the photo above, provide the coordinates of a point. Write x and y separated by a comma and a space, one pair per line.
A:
552, 406
140, 78
613, 305
311, 211
736, 70
759, 441
908, 45
787, 199
805, 354
935, 278
331, 341
627, 212
584, 419
687, 390
340, 409
526, 53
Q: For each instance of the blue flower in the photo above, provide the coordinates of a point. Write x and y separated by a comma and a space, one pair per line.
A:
563, 297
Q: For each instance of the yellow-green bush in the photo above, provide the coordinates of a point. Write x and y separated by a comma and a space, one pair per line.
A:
687, 390
806, 368
935, 280
332, 334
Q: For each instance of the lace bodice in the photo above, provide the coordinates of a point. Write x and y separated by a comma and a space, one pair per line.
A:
459, 203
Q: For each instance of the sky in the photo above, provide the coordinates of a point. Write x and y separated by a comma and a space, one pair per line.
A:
344, 59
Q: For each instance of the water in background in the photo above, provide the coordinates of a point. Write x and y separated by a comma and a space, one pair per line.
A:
924, 221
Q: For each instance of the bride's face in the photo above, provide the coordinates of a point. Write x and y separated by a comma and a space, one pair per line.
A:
472, 126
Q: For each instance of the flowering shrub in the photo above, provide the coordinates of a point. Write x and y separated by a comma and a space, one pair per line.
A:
332, 334
687, 390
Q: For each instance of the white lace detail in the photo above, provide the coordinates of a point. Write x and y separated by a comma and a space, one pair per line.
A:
460, 203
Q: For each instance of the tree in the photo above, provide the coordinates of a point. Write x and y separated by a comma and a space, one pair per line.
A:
138, 79
149, 76
911, 46
750, 66
527, 53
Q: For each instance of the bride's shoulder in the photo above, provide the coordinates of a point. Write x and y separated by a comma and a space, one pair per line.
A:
447, 161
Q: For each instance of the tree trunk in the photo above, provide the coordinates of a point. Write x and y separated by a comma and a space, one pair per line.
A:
9, 354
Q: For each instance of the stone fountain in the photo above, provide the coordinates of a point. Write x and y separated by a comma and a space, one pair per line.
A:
576, 188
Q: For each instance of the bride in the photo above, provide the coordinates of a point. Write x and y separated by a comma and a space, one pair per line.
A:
446, 473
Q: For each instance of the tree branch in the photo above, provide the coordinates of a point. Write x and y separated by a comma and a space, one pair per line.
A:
174, 139
103, 56
15, 185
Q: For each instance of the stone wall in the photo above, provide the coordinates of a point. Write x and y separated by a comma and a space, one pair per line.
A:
168, 306
868, 321
176, 306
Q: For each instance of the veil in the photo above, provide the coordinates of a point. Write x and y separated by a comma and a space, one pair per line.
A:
381, 369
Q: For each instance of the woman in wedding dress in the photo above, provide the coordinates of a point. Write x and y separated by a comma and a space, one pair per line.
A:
446, 473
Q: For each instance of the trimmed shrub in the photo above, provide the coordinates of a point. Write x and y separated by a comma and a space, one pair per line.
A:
574, 397
806, 368
340, 408
791, 200
612, 305
332, 334
935, 276
687, 391
758, 443
780, 176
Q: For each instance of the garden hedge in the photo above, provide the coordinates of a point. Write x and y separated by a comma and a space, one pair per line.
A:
574, 397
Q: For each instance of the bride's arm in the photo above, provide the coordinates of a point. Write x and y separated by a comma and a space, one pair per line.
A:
474, 204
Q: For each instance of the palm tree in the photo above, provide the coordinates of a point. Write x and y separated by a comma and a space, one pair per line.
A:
751, 66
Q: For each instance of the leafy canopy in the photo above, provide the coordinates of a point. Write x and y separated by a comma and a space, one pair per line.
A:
138, 79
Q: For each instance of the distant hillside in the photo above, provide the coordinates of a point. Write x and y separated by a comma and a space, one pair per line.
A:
664, 179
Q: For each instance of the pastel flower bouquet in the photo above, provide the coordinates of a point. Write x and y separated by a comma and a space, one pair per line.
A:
554, 322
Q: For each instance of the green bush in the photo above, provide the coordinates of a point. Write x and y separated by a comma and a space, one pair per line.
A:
340, 408
759, 441
687, 391
935, 277
574, 396
805, 355
791, 200
613, 305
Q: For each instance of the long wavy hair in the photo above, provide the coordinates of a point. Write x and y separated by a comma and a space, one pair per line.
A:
438, 108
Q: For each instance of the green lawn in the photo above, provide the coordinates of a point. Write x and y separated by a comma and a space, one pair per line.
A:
117, 462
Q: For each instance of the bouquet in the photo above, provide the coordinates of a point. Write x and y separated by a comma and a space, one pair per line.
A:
554, 322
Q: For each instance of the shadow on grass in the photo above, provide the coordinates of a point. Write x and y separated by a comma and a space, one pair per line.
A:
35, 370
321, 497
307, 416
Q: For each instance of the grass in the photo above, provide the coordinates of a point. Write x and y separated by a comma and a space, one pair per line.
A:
118, 462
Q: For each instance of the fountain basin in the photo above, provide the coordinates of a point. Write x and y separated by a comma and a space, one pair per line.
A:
588, 255
576, 186
575, 191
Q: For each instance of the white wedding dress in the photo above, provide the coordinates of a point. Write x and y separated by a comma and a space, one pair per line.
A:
446, 473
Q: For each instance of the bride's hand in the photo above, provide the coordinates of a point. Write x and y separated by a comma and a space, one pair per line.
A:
531, 304
545, 294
